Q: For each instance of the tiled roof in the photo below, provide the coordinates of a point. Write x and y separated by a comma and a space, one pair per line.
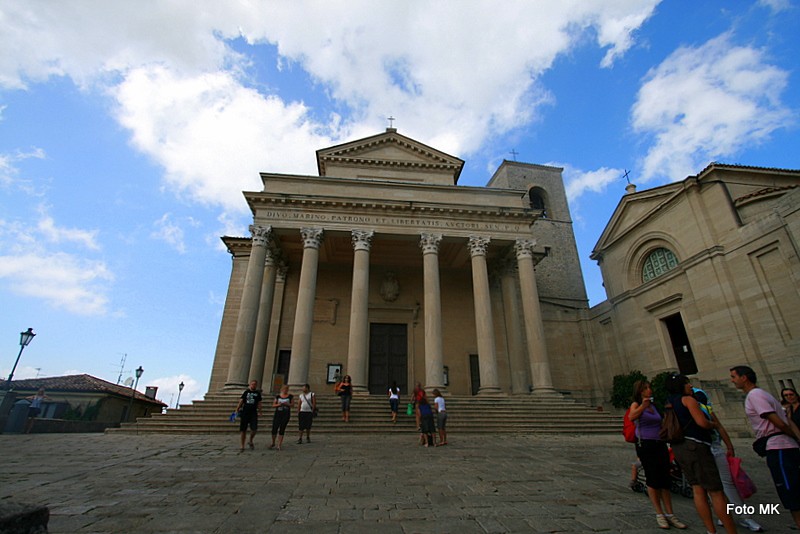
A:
79, 384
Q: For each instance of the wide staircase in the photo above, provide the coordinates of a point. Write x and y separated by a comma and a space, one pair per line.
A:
466, 414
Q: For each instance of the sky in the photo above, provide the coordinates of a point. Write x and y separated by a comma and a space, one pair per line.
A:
128, 131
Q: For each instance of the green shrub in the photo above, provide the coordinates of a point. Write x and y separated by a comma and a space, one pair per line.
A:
659, 384
622, 390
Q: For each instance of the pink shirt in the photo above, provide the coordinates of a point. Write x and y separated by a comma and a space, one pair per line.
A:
758, 403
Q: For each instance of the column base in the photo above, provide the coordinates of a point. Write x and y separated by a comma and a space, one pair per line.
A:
490, 390
235, 386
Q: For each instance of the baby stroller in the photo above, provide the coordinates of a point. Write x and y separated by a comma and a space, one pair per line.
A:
678, 483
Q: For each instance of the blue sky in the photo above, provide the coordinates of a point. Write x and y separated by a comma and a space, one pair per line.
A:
128, 131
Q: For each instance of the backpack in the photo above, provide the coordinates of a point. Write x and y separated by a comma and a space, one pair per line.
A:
628, 427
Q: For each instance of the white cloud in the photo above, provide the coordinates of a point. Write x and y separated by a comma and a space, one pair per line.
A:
169, 232
706, 103
776, 5
48, 229
455, 74
30, 267
213, 136
578, 182
9, 172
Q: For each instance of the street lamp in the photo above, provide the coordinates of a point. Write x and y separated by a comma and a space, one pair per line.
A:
139, 373
25, 339
180, 388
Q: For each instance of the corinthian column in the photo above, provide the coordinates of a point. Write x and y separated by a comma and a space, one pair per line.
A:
434, 362
259, 356
357, 348
248, 310
304, 313
534, 329
487, 357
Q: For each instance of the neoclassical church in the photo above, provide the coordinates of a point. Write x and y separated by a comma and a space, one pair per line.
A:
384, 268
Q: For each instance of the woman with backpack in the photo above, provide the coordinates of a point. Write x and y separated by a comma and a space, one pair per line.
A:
653, 454
693, 453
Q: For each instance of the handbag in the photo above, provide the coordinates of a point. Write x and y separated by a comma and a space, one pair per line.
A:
409, 409
760, 445
671, 429
744, 484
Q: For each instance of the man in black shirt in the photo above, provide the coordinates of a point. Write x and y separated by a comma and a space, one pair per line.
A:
249, 408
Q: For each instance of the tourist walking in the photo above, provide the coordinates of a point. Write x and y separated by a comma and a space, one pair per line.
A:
693, 454
283, 412
790, 402
394, 400
653, 454
779, 436
306, 408
345, 391
719, 436
441, 417
426, 428
249, 408
417, 395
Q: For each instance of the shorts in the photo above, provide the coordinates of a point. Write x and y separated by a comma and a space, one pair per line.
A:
394, 403
248, 419
441, 420
698, 464
305, 419
784, 466
426, 424
654, 458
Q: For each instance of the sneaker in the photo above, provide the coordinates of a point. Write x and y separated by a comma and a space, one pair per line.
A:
675, 522
662, 521
751, 525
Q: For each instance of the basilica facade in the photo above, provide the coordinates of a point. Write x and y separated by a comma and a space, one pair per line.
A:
384, 268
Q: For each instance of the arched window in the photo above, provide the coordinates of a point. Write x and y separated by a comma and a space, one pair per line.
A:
537, 201
657, 263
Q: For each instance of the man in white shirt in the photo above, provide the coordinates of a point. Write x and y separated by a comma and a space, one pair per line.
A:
769, 421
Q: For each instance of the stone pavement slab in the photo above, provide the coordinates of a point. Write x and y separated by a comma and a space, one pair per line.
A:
118, 483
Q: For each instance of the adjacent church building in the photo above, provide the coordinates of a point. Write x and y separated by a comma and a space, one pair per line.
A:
383, 268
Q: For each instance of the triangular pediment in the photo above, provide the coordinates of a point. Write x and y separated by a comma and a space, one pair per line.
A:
389, 156
632, 210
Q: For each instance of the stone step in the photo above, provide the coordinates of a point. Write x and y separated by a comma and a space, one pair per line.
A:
371, 414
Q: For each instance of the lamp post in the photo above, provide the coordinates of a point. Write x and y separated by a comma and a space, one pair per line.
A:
25, 339
178, 402
139, 373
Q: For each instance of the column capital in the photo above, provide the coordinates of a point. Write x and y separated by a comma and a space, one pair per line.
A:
524, 248
362, 239
283, 269
261, 234
478, 245
312, 237
429, 243
272, 257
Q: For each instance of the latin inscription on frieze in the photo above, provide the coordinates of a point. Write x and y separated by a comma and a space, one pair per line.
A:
370, 220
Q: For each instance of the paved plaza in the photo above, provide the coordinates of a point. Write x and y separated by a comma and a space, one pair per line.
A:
373, 483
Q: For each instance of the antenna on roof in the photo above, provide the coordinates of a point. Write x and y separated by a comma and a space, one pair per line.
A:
37, 372
121, 366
